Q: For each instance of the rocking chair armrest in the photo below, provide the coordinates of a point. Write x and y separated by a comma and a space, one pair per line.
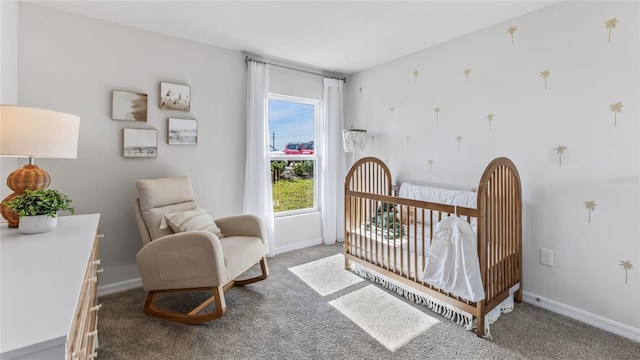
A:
243, 225
182, 260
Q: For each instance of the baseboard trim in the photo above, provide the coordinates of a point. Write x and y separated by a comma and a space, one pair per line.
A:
119, 286
298, 246
586, 317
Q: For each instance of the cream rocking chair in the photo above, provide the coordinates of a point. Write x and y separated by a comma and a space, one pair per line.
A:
192, 260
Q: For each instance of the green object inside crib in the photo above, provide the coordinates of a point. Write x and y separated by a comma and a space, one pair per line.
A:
385, 221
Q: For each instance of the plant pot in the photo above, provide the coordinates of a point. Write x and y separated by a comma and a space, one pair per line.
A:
37, 224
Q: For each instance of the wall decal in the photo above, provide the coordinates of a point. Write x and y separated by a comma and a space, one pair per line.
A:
615, 109
490, 119
511, 30
360, 89
545, 74
590, 206
459, 140
430, 162
560, 150
415, 77
626, 266
610, 25
407, 138
437, 110
466, 74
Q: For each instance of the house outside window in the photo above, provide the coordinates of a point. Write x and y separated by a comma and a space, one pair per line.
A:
293, 124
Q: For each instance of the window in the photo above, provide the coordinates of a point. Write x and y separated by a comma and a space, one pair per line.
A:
292, 129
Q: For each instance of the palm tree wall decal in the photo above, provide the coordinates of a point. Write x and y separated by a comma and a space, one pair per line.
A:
466, 74
437, 110
545, 74
626, 265
430, 162
459, 140
560, 150
610, 25
415, 77
590, 206
616, 108
490, 119
511, 30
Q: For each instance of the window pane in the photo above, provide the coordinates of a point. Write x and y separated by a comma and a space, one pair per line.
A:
293, 185
291, 127
292, 146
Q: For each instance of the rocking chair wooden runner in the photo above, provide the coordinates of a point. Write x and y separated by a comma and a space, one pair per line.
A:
175, 259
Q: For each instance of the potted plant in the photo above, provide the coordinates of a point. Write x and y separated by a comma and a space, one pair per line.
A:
38, 209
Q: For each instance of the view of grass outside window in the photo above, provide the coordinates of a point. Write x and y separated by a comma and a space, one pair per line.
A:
292, 124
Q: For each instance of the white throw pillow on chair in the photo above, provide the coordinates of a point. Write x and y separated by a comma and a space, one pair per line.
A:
192, 220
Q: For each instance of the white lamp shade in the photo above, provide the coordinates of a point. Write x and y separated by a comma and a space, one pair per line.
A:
29, 132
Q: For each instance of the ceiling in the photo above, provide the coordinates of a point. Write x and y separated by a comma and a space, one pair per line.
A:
341, 37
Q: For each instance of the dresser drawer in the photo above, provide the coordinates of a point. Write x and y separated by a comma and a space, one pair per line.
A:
83, 337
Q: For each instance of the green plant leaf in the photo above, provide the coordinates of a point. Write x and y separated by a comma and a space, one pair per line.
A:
40, 202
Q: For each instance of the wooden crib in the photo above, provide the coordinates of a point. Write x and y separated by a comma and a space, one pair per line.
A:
396, 254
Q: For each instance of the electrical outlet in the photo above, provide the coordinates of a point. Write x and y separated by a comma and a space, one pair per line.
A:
546, 257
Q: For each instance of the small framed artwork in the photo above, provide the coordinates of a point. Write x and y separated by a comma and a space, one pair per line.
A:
140, 143
183, 131
175, 96
130, 106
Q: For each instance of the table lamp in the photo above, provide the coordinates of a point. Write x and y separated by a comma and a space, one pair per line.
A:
31, 133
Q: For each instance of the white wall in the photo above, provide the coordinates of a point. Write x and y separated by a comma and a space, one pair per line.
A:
72, 63
8, 52
289, 82
8, 75
601, 162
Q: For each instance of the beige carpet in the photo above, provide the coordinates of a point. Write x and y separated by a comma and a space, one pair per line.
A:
310, 308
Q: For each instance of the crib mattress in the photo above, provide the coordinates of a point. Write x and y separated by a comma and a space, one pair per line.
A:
398, 255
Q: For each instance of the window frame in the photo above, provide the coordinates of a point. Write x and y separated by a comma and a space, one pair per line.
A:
317, 116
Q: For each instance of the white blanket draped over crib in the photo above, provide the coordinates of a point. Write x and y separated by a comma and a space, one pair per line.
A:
452, 264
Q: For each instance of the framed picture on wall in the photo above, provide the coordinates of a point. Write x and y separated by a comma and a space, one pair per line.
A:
175, 96
183, 131
140, 143
130, 106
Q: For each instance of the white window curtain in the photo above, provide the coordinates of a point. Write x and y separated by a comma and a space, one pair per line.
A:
257, 183
332, 164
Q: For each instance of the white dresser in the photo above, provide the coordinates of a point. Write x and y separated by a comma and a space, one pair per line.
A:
48, 287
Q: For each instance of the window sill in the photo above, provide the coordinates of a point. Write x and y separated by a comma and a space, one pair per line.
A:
292, 213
